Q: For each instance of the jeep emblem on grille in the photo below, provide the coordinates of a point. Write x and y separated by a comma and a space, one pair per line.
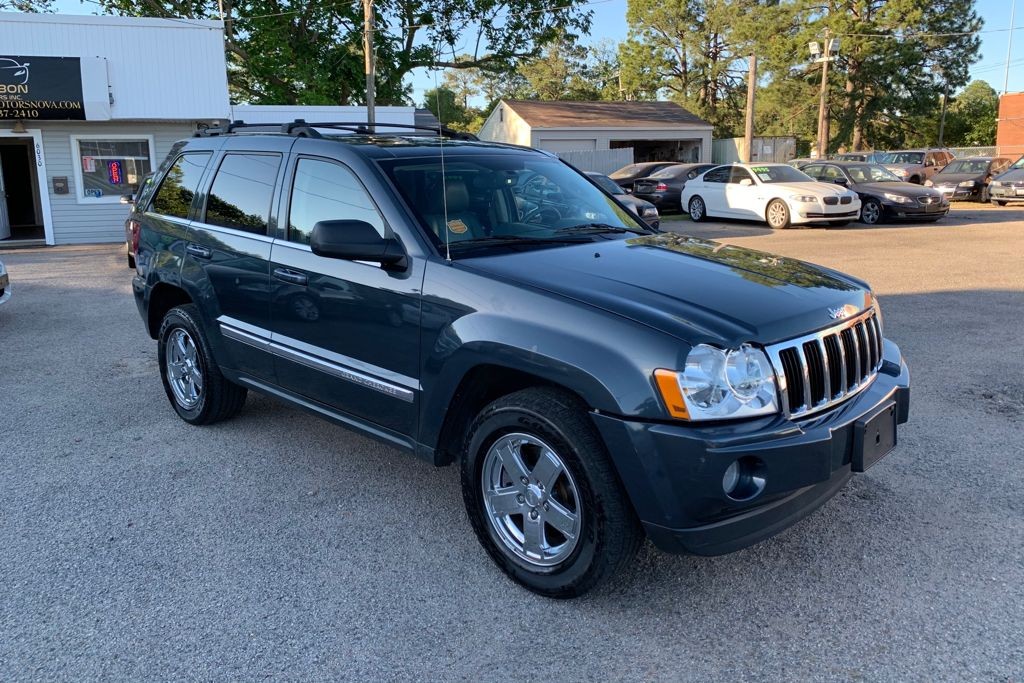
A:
842, 312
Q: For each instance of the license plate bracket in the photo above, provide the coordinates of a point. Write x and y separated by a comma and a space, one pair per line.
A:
874, 435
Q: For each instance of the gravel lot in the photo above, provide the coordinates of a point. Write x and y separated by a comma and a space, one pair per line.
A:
278, 546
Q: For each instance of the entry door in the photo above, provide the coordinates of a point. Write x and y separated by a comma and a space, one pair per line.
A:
745, 201
345, 333
5, 221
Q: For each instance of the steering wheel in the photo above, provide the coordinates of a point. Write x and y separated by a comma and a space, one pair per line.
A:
541, 214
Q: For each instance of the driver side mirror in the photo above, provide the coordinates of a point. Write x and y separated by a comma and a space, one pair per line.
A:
746, 182
841, 181
128, 198
355, 241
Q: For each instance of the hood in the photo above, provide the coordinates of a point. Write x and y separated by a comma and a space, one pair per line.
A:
904, 167
636, 204
697, 290
955, 178
822, 189
902, 189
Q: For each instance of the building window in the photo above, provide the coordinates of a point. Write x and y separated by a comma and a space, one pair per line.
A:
108, 167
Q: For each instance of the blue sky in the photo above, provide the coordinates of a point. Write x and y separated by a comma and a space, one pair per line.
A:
610, 23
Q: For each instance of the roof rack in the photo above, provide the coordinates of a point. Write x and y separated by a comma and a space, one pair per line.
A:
302, 128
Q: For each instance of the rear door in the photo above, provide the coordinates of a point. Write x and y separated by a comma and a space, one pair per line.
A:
712, 190
345, 333
227, 256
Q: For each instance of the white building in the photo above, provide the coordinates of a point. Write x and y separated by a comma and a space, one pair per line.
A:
655, 131
88, 105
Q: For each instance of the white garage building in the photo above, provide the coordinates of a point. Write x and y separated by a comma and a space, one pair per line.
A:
655, 131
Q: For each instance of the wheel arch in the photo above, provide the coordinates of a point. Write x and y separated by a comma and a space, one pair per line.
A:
163, 297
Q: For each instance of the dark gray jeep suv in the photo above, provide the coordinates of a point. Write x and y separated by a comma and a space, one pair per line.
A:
596, 382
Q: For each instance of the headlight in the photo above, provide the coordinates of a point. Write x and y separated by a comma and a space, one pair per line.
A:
898, 198
928, 183
719, 385
968, 183
806, 198
649, 212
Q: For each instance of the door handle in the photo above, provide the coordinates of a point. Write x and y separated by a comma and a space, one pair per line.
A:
291, 276
198, 251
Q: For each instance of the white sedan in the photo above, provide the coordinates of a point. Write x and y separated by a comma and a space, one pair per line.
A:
778, 194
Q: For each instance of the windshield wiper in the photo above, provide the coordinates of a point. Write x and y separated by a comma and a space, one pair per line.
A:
517, 239
595, 228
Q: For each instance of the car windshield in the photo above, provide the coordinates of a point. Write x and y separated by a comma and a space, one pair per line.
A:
871, 173
506, 199
1018, 164
903, 158
851, 157
974, 166
633, 169
669, 172
606, 183
780, 174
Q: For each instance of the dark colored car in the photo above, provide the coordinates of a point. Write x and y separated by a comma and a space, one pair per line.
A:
664, 188
883, 196
625, 176
595, 382
139, 195
647, 211
968, 179
1009, 186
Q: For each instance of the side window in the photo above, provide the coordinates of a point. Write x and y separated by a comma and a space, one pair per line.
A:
241, 192
814, 170
930, 160
831, 174
717, 175
325, 191
174, 198
740, 174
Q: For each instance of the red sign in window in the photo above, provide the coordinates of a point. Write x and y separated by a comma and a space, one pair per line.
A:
114, 174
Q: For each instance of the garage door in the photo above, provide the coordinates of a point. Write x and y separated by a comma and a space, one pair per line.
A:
555, 145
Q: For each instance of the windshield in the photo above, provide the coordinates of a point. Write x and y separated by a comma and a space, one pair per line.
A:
976, 167
1018, 164
871, 174
669, 172
903, 158
606, 183
634, 169
505, 198
780, 174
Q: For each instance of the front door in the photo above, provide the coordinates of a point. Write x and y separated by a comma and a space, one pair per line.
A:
744, 197
345, 333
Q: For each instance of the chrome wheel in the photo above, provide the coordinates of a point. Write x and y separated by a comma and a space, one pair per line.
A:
870, 212
696, 208
184, 374
778, 216
531, 499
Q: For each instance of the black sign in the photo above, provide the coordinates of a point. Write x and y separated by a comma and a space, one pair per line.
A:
41, 88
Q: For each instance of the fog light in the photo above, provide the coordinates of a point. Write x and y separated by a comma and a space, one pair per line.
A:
744, 479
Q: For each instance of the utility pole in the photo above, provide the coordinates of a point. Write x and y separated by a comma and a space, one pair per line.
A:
1009, 46
369, 61
823, 101
748, 130
945, 98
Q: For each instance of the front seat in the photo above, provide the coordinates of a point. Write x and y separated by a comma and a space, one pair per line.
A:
462, 222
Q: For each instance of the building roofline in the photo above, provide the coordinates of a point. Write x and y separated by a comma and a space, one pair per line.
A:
109, 20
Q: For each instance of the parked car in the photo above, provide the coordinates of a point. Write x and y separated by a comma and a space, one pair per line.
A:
137, 197
778, 194
1009, 185
800, 162
5, 284
916, 165
664, 188
594, 381
626, 175
864, 157
647, 211
883, 196
968, 179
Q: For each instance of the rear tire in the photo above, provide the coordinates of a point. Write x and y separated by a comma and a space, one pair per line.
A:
534, 455
698, 209
1000, 202
193, 382
777, 215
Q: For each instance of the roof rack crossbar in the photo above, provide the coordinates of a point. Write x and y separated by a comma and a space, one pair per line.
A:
303, 128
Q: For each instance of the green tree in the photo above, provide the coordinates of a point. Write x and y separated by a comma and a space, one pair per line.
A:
285, 51
971, 120
446, 105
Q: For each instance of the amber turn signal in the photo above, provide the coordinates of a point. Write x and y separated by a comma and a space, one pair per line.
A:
671, 394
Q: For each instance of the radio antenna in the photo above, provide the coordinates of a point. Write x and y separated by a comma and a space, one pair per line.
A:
444, 179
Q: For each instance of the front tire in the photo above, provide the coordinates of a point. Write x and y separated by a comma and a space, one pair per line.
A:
542, 494
1000, 202
777, 215
698, 209
871, 212
197, 390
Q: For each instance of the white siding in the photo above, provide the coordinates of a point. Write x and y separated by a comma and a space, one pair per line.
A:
82, 223
158, 69
504, 125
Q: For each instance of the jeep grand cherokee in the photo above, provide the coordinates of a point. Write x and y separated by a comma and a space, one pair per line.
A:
489, 306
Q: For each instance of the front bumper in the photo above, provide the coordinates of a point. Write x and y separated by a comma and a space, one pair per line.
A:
1007, 194
959, 194
673, 473
915, 211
